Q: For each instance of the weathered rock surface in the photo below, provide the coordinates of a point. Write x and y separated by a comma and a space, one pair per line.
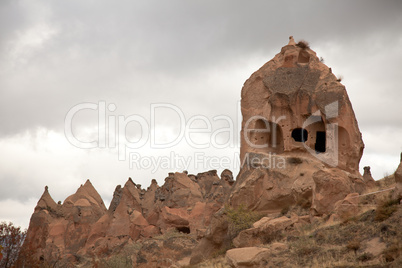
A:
348, 207
247, 257
368, 179
332, 185
214, 239
287, 182
265, 228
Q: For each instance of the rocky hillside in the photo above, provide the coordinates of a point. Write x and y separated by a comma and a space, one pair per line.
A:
298, 200
82, 230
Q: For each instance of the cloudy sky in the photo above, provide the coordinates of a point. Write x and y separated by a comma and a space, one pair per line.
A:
145, 74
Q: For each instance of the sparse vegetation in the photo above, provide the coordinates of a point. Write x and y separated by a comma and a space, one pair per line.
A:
353, 245
392, 252
340, 78
365, 257
171, 233
386, 208
305, 247
123, 261
386, 182
285, 210
303, 44
240, 218
340, 245
294, 160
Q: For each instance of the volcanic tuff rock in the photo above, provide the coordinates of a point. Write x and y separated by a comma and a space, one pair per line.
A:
368, 179
82, 226
294, 103
300, 141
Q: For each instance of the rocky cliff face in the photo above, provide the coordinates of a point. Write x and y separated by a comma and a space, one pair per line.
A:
82, 226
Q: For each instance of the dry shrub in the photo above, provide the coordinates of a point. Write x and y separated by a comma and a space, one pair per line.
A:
353, 245
294, 160
304, 203
285, 210
365, 257
240, 219
304, 249
385, 209
386, 182
303, 44
392, 252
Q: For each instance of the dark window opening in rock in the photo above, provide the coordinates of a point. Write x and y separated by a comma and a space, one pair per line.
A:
299, 134
320, 142
184, 230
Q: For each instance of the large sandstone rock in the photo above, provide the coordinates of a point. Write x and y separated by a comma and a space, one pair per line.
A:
248, 257
298, 133
214, 240
330, 186
81, 210
348, 207
179, 190
263, 231
271, 187
56, 231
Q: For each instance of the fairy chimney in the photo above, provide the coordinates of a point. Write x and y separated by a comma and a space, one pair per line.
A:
295, 104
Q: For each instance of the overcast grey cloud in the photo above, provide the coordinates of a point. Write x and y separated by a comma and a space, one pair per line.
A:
195, 55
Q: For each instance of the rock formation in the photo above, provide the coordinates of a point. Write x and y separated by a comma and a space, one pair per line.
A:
300, 141
368, 179
82, 227
300, 147
294, 103
300, 144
